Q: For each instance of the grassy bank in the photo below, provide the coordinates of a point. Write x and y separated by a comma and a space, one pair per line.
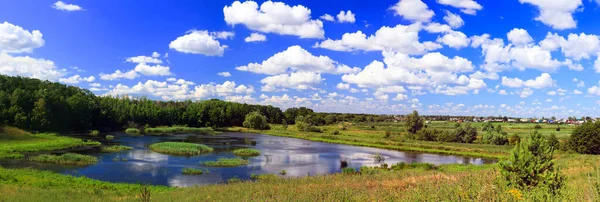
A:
66, 159
180, 148
14, 143
226, 162
355, 135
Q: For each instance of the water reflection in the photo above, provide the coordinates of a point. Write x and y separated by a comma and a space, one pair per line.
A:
297, 157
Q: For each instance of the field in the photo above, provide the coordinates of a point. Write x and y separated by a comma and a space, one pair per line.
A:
413, 183
14, 143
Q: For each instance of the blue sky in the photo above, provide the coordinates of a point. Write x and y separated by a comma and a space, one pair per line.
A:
527, 58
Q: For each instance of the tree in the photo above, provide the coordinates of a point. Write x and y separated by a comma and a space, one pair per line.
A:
585, 139
39, 115
531, 165
414, 122
255, 120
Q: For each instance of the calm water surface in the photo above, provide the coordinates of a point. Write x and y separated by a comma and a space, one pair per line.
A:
297, 157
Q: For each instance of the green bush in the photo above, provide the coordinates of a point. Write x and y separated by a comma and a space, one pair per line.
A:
537, 126
132, 131
256, 120
349, 170
94, 133
307, 127
531, 165
585, 139
414, 122
378, 158
553, 141
426, 134
335, 132
514, 139
66, 159
402, 166
495, 138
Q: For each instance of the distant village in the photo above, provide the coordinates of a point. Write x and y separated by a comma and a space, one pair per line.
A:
552, 120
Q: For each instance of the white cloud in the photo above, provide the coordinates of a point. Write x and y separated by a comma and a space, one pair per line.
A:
155, 54
502, 92
224, 74
132, 74
343, 86
573, 66
295, 58
519, 37
255, 37
597, 65
144, 59
59, 5
577, 92
198, 42
274, 17
466, 6
347, 16
484, 75
454, 20
557, 14
526, 92
548, 100
223, 35
594, 90
413, 10
15, 39
401, 38
542, 81
149, 70
327, 17
295, 80
577, 47
181, 90
400, 97
454, 39
75, 79
29, 67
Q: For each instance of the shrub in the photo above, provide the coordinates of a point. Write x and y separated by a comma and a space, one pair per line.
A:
426, 134
348, 170
246, 152
488, 126
132, 131
378, 158
495, 138
557, 128
585, 139
402, 166
94, 133
180, 148
530, 165
514, 139
282, 172
307, 127
257, 121
343, 164
66, 159
553, 141
537, 126
335, 132
284, 124
388, 134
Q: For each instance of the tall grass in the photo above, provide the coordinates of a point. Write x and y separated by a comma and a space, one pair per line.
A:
132, 131
66, 159
115, 148
14, 146
193, 171
227, 162
246, 152
180, 148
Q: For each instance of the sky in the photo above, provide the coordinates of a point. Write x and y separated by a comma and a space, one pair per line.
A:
521, 58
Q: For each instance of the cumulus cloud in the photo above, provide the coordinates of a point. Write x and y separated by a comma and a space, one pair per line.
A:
295, 58
224, 74
413, 10
29, 67
181, 90
152, 70
542, 81
295, 80
59, 5
144, 59
343, 86
466, 6
75, 79
557, 14
274, 17
198, 42
327, 17
15, 39
575, 46
346, 16
255, 37
454, 20
519, 37
401, 38
132, 74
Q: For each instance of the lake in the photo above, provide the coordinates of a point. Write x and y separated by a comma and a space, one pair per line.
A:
297, 157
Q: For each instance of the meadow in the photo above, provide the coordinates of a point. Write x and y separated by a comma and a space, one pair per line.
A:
15, 143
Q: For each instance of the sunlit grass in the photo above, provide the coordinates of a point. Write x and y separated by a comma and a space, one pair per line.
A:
14, 143
246, 152
180, 148
226, 162
193, 171
66, 159
115, 148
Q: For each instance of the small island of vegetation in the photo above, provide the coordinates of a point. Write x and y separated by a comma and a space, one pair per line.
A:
246, 152
226, 162
180, 148
66, 159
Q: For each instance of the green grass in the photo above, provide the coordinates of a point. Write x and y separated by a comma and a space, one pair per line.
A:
115, 148
226, 162
246, 152
110, 137
180, 129
180, 148
94, 133
132, 131
14, 143
193, 171
66, 159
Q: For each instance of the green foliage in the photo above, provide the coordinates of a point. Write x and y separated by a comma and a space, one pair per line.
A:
94, 133
284, 124
115, 148
132, 131
180, 129
180, 148
227, 162
193, 171
110, 137
13, 146
255, 120
586, 138
264, 177
388, 134
530, 165
282, 172
558, 128
495, 137
349, 170
335, 132
403, 166
488, 126
66, 159
553, 141
414, 122
246, 152
537, 126
307, 127
514, 139
378, 158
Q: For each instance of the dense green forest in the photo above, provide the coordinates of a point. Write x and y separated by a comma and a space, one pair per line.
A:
49, 106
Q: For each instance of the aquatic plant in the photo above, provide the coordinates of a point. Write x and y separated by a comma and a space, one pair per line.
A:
378, 158
180, 148
282, 172
193, 171
110, 137
246, 152
132, 131
66, 159
115, 148
94, 133
227, 162
264, 176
